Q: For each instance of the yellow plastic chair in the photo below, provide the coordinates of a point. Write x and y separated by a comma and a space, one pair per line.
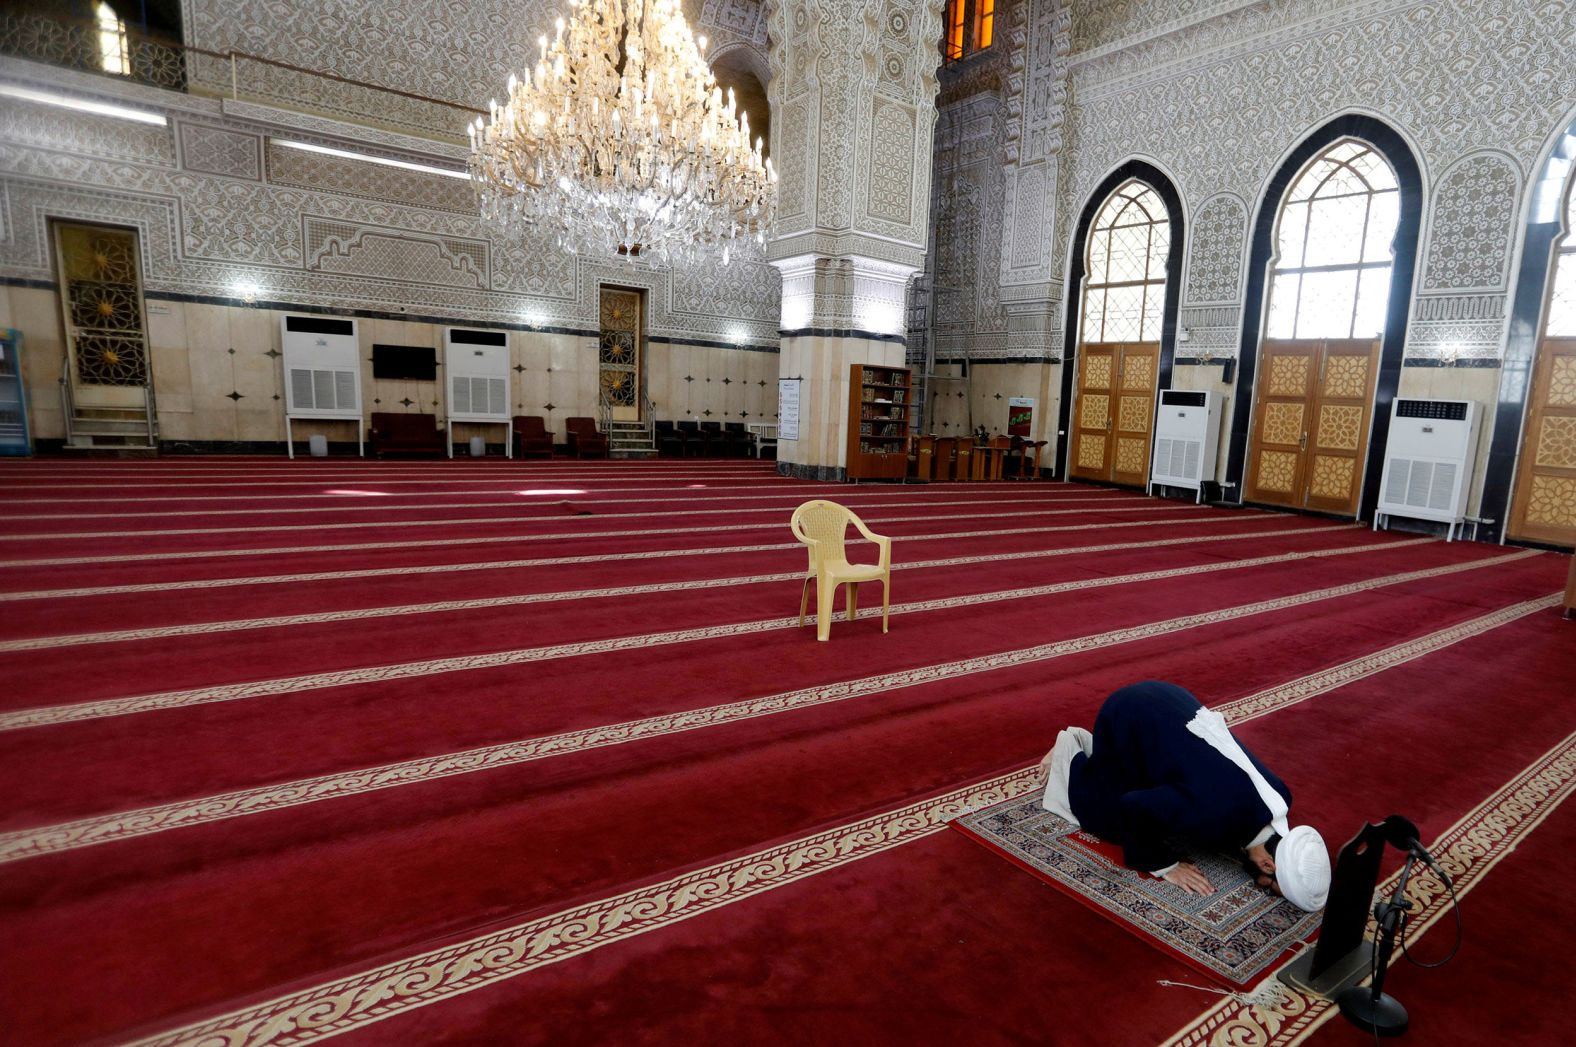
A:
821, 525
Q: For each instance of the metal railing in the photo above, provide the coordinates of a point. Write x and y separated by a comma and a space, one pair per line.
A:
68, 407
169, 64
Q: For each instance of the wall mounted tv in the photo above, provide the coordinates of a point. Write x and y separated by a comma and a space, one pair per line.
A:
410, 363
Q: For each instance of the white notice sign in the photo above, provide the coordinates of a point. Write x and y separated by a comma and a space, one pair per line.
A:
788, 408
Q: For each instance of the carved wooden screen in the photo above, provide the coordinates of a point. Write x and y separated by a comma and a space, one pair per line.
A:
619, 351
101, 295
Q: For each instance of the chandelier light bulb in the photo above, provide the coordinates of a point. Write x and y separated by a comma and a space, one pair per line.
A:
619, 141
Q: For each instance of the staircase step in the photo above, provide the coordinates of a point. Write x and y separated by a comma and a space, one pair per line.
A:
109, 427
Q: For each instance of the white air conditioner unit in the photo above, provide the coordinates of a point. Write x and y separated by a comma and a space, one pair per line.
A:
477, 366
1428, 461
321, 356
1187, 437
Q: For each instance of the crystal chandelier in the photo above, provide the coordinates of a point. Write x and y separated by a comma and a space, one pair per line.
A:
619, 140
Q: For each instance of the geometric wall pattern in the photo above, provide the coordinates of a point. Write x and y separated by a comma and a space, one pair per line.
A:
1140, 78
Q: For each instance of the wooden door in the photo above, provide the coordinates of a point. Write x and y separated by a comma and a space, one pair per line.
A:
1133, 419
1338, 437
1544, 508
1310, 424
1115, 412
1090, 457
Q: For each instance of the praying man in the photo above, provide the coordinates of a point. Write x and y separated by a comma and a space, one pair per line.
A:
1160, 773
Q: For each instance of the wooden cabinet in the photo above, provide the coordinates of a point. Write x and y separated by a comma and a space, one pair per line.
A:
880, 404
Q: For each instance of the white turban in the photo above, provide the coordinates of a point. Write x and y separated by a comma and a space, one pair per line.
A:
1302, 868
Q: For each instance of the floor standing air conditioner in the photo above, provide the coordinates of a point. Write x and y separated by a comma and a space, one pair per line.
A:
1428, 461
321, 356
477, 365
1187, 436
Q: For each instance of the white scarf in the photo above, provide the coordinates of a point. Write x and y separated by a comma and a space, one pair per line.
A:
1211, 726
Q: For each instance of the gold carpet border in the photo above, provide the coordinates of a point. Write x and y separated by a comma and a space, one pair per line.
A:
704, 497
1467, 851
169, 532
39, 643
1293, 692
355, 1002
440, 568
594, 476
92, 710
88, 832
1036, 492
767, 478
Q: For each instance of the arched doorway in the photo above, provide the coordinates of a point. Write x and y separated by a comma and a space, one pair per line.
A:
1328, 292
1543, 508
1125, 310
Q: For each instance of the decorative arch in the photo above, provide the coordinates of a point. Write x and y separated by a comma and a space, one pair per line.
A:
1165, 188
1550, 226
1403, 162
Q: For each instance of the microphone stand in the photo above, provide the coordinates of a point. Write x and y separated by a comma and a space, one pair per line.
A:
1372, 1008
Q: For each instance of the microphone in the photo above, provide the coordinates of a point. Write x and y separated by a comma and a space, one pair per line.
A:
1402, 834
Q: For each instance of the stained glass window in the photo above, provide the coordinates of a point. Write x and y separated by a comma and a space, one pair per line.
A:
113, 57
984, 23
1331, 275
1125, 282
969, 26
1562, 299
953, 45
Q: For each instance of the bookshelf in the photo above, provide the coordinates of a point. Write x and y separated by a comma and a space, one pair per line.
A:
880, 404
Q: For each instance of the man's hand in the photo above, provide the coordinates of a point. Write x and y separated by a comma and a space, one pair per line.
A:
1043, 772
1188, 877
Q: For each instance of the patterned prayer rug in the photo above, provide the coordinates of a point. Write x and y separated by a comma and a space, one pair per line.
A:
1232, 935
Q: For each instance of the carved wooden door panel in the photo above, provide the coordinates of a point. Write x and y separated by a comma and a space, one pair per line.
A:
1311, 421
1091, 451
1544, 508
1339, 425
1133, 418
1280, 422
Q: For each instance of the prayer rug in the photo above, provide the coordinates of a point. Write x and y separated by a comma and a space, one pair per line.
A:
1233, 935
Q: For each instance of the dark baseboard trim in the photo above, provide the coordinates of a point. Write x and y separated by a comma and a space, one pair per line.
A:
818, 473
843, 332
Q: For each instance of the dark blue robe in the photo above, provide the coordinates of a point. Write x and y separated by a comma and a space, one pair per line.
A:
1154, 787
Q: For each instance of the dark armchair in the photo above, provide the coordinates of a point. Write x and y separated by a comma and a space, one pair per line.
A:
531, 436
670, 438
584, 440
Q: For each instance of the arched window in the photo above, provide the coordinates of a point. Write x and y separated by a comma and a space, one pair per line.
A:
1562, 297
1331, 276
113, 54
969, 27
1125, 292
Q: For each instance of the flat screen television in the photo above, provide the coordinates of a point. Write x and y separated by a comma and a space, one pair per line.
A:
410, 363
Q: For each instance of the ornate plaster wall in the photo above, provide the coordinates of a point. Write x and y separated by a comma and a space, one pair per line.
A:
223, 209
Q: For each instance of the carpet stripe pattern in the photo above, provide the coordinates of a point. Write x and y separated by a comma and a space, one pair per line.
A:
364, 737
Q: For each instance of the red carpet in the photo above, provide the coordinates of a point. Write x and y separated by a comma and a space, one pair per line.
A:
257, 741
